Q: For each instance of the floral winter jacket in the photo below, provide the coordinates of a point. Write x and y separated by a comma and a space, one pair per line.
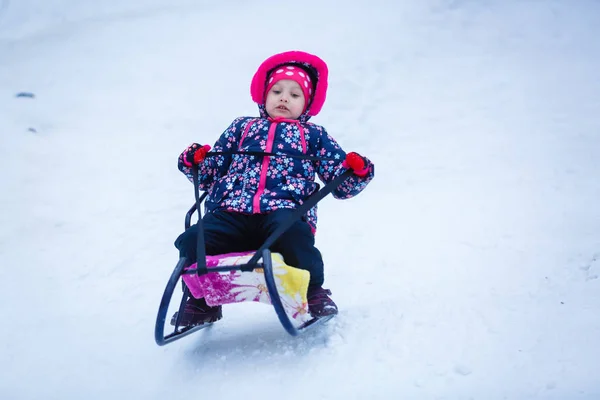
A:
261, 184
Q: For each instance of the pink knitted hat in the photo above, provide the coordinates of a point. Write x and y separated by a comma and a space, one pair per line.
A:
296, 74
300, 60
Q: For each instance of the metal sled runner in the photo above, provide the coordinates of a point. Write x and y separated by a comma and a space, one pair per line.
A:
262, 259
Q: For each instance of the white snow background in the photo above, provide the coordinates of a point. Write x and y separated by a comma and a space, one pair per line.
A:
468, 269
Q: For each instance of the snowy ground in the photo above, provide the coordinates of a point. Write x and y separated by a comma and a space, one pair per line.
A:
467, 270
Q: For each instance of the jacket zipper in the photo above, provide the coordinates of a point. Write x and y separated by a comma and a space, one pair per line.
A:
264, 169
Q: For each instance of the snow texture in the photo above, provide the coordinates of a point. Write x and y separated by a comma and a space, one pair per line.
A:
468, 269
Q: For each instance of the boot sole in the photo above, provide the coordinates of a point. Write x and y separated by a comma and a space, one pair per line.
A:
186, 323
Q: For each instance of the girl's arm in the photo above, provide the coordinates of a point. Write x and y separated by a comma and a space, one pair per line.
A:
329, 170
214, 167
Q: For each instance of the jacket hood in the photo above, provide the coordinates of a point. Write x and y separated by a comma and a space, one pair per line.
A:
314, 66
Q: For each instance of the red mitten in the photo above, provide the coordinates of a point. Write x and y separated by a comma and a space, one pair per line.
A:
357, 163
195, 154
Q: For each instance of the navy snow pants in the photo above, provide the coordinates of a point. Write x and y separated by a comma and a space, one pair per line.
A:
226, 232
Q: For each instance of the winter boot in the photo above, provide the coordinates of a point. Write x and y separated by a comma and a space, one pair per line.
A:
319, 302
197, 312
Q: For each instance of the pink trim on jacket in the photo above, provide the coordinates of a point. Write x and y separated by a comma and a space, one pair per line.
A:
298, 125
264, 169
250, 123
257, 87
185, 161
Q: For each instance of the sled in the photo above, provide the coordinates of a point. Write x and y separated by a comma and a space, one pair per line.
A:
259, 276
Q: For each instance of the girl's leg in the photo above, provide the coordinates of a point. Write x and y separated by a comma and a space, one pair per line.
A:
224, 232
296, 245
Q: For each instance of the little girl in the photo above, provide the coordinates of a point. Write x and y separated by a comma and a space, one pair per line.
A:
249, 196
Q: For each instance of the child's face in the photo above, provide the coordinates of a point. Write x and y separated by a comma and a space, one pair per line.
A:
285, 99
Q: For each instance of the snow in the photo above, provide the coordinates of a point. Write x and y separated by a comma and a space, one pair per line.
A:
468, 269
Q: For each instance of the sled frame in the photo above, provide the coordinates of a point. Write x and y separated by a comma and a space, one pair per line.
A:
263, 253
